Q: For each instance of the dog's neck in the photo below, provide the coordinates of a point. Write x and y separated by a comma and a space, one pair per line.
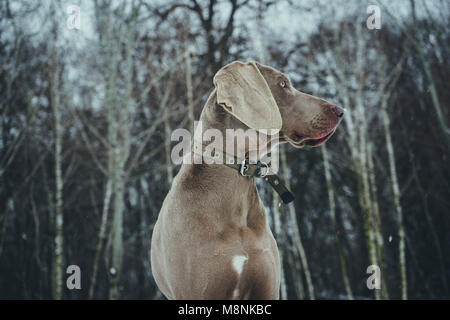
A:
220, 179
215, 117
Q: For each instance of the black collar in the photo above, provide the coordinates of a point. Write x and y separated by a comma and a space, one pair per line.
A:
247, 169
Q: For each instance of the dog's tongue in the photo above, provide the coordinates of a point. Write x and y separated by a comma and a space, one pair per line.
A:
318, 142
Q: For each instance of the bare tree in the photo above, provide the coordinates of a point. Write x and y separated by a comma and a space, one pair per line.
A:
118, 116
385, 93
59, 220
54, 84
326, 165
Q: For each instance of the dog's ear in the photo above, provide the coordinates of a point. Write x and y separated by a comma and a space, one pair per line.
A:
242, 90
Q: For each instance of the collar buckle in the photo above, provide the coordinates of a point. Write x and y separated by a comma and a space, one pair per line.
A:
263, 165
244, 168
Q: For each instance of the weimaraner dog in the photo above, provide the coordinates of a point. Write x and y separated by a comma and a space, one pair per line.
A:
211, 239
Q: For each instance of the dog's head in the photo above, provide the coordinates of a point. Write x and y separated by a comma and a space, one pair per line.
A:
263, 98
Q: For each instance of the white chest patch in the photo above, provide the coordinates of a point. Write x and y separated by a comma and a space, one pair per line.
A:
238, 263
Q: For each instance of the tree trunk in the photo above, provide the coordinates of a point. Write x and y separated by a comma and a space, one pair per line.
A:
398, 207
294, 223
361, 161
101, 236
189, 90
280, 240
377, 221
168, 130
331, 200
121, 154
59, 220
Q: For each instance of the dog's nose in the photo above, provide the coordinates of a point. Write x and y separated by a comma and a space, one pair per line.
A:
338, 111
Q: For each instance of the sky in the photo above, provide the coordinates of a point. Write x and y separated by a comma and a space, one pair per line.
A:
287, 21
299, 18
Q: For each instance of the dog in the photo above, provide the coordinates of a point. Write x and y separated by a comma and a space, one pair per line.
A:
211, 239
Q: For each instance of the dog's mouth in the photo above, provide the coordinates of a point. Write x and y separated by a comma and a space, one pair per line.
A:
299, 141
318, 142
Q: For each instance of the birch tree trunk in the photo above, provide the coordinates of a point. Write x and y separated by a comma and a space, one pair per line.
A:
189, 90
385, 91
296, 269
396, 193
331, 200
59, 220
377, 220
121, 154
168, 130
113, 150
118, 103
101, 236
280, 240
362, 165
294, 223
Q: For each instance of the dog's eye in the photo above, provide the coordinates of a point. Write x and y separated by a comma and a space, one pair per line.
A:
283, 84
